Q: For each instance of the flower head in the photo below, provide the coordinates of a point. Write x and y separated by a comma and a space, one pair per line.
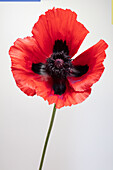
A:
43, 64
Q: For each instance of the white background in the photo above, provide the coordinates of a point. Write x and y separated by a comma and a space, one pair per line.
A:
82, 135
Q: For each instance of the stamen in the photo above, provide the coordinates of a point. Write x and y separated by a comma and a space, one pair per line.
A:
57, 66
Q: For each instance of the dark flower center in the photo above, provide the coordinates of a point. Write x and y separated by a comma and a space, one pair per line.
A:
59, 63
59, 66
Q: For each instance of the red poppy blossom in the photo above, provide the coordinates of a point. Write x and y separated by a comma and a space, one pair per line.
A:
43, 64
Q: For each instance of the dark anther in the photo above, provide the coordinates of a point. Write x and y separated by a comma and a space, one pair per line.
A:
38, 68
60, 46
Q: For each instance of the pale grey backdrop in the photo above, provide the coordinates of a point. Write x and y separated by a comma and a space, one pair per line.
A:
82, 136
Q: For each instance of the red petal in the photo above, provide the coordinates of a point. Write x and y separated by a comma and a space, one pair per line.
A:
70, 97
23, 82
23, 53
94, 58
59, 24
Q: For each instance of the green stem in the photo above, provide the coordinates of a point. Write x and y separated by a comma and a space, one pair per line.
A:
47, 137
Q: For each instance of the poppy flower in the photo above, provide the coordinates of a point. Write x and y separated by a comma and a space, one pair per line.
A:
44, 65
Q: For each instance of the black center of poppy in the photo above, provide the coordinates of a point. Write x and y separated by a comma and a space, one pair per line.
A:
59, 66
